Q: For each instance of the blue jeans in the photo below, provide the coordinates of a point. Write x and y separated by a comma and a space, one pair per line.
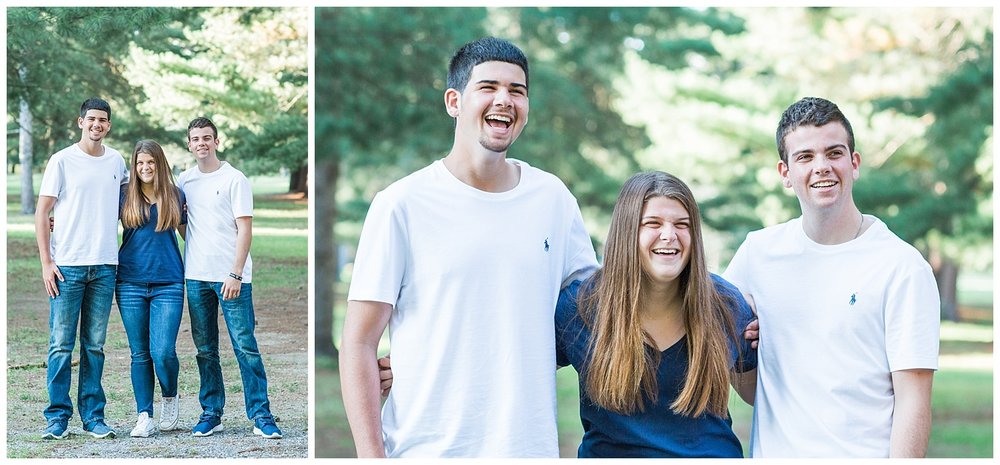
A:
84, 299
151, 314
204, 300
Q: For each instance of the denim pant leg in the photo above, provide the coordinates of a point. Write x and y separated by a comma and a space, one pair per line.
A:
133, 303
166, 309
94, 312
240, 322
203, 308
64, 316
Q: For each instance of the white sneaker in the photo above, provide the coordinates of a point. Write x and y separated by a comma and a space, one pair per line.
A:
168, 413
144, 427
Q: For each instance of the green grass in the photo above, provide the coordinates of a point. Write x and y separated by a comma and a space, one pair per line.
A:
279, 251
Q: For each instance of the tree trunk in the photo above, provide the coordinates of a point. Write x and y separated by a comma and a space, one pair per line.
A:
946, 275
299, 181
26, 156
326, 254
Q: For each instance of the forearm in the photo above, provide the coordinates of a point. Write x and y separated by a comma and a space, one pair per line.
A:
359, 382
911, 415
359, 373
745, 385
244, 237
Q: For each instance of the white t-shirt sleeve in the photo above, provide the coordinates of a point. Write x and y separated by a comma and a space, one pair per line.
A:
581, 261
913, 320
739, 266
381, 258
242, 197
54, 178
124, 172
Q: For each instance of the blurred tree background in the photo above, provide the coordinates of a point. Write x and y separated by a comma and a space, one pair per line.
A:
245, 68
693, 91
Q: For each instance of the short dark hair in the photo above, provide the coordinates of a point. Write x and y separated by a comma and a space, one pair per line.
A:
202, 122
812, 111
481, 51
95, 103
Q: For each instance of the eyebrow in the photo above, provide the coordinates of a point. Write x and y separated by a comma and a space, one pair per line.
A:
829, 148
496, 83
654, 217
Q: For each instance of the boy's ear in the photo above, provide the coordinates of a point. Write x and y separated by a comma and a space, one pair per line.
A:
451, 102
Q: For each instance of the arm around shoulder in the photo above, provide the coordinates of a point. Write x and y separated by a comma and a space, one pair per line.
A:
359, 374
911, 415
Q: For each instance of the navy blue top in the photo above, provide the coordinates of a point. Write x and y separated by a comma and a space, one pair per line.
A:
151, 257
657, 431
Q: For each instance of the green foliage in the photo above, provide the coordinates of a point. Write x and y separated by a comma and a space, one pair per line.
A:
939, 188
159, 68
58, 57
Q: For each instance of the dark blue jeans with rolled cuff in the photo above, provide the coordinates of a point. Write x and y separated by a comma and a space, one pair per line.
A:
84, 300
151, 314
204, 301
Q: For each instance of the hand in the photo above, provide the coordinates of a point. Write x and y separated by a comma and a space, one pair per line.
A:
752, 333
385, 375
50, 273
231, 288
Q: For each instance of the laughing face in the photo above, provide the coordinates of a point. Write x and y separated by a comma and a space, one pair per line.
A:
493, 108
95, 125
821, 169
664, 240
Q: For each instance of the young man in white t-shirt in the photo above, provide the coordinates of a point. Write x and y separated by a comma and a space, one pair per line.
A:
464, 260
217, 270
849, 313
79, 259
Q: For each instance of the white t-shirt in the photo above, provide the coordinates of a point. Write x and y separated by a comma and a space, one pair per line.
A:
835, 322
474, 278
214, 201
86, 189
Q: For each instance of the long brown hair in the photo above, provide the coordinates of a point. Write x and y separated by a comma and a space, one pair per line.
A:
623, 357
135, 210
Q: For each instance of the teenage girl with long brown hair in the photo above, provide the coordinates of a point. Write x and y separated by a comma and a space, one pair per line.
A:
150, 285
654, 335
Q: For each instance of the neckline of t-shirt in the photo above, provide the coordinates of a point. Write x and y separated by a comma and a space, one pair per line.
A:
481, 193
800, 228
222, 166
79, 152
675, 346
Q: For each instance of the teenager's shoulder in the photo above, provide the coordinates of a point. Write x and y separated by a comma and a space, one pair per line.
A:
64, 153
231, 170
890, 247
185, 175
538, 176
414, 182
110, 151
